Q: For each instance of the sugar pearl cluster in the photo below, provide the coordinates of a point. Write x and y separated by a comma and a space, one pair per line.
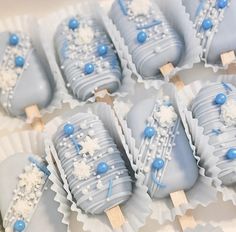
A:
209, 15
158, 140
26, 196
149, 24
91, 162
13, 64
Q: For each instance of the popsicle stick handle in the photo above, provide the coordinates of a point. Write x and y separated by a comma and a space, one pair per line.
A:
115, 217
176, 80
229, 59
34, 117
187, 220
103, 96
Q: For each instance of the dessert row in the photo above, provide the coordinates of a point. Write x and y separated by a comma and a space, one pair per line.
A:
137, 157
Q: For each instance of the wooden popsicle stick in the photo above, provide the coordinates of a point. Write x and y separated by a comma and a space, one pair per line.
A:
115, 217
166, 70
114, 214
179, 197
187, 220
103, 96
34, 117
229, 58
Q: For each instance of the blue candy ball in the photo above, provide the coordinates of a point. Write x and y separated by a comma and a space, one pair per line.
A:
141, 37
19, 226
207, 24
73, 24
149, 132
220, 99
222, 3
102, 49
158, 164
88, 68
19, 61
69, 129
231, 153
102, 168
14, 39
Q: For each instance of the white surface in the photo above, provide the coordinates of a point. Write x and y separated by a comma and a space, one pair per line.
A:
220, 213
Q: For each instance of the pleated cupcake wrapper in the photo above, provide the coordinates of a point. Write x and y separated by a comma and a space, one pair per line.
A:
179, 20
28, 24
135, 212
86, 9
27, 142
204, 149
214, 67
203, 192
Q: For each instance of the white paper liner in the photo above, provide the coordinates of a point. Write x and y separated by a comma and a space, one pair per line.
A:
88, 8
135, 212
203, 192
28, 24
177, 17
201, 141
28, 142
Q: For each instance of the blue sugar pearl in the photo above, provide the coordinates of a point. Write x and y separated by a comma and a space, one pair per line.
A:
69, 129
88, 68
102, 168
158, 164
73, 24
14, 39
19, 61
220, 99
207, 24
231, 154
102, 49
19, 226
141, 37
222, 3
149, 132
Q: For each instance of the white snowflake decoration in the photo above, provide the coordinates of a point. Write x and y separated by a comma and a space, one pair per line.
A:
32, 177
85, 35
81, 170
228, 113
90, 145
8, 79
140, 7
166, 116
22, 208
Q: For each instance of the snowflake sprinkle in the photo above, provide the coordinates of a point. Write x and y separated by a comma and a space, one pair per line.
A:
31, 178
166, 116
90, 145
8, 79
228, 113
81, 170
140, 7
85, 35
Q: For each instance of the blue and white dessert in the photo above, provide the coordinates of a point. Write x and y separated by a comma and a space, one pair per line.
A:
215, 109
23, 79
87, 57
165, 156
151, 40
26, 200
96, 173
214, 22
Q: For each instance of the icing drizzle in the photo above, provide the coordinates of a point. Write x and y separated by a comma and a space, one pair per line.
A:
155, 150
209, 14
12, 65
27, 194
